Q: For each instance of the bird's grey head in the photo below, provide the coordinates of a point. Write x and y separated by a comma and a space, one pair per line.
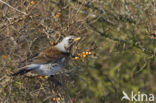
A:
66, 44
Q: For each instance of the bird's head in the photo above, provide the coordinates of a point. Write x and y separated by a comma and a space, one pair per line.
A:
66, 44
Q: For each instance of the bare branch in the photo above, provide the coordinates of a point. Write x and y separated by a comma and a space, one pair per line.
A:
13, 7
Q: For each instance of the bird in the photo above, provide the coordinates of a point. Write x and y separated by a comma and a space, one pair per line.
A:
51, 60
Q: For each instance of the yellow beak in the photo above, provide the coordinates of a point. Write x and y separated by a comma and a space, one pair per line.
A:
76, 39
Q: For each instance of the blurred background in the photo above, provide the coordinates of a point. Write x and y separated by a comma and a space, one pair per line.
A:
119, 34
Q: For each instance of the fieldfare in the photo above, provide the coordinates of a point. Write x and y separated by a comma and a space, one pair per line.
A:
51, 60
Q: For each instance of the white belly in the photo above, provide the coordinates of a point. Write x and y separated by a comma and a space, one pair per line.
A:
50, 69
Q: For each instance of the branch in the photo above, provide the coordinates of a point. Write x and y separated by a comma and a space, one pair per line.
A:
13, 7
134, 43
102, 11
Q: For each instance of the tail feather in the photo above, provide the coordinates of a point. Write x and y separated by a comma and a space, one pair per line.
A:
25, 69
21, 72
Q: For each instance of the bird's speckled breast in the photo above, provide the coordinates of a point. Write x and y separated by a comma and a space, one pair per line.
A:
50, 68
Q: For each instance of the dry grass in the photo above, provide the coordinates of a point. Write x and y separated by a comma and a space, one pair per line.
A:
23, 35
121, 31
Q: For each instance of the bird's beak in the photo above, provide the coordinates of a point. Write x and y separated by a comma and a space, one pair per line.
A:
76, 39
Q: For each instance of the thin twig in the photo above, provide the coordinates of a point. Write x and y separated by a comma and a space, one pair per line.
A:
134, 43
13, 7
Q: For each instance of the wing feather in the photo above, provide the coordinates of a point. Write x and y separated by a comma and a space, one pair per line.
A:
49, 55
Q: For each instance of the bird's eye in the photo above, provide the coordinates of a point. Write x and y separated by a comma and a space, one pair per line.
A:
71, 40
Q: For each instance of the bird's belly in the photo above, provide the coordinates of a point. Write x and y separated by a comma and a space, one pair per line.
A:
49, 69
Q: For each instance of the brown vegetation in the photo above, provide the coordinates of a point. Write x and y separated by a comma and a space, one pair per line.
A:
116, 52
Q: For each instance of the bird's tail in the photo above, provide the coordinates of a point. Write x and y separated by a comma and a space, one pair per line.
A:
26, 69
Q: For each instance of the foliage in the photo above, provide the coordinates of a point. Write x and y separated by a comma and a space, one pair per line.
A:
119, 33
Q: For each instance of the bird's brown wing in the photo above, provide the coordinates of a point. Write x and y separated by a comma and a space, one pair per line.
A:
49, 55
